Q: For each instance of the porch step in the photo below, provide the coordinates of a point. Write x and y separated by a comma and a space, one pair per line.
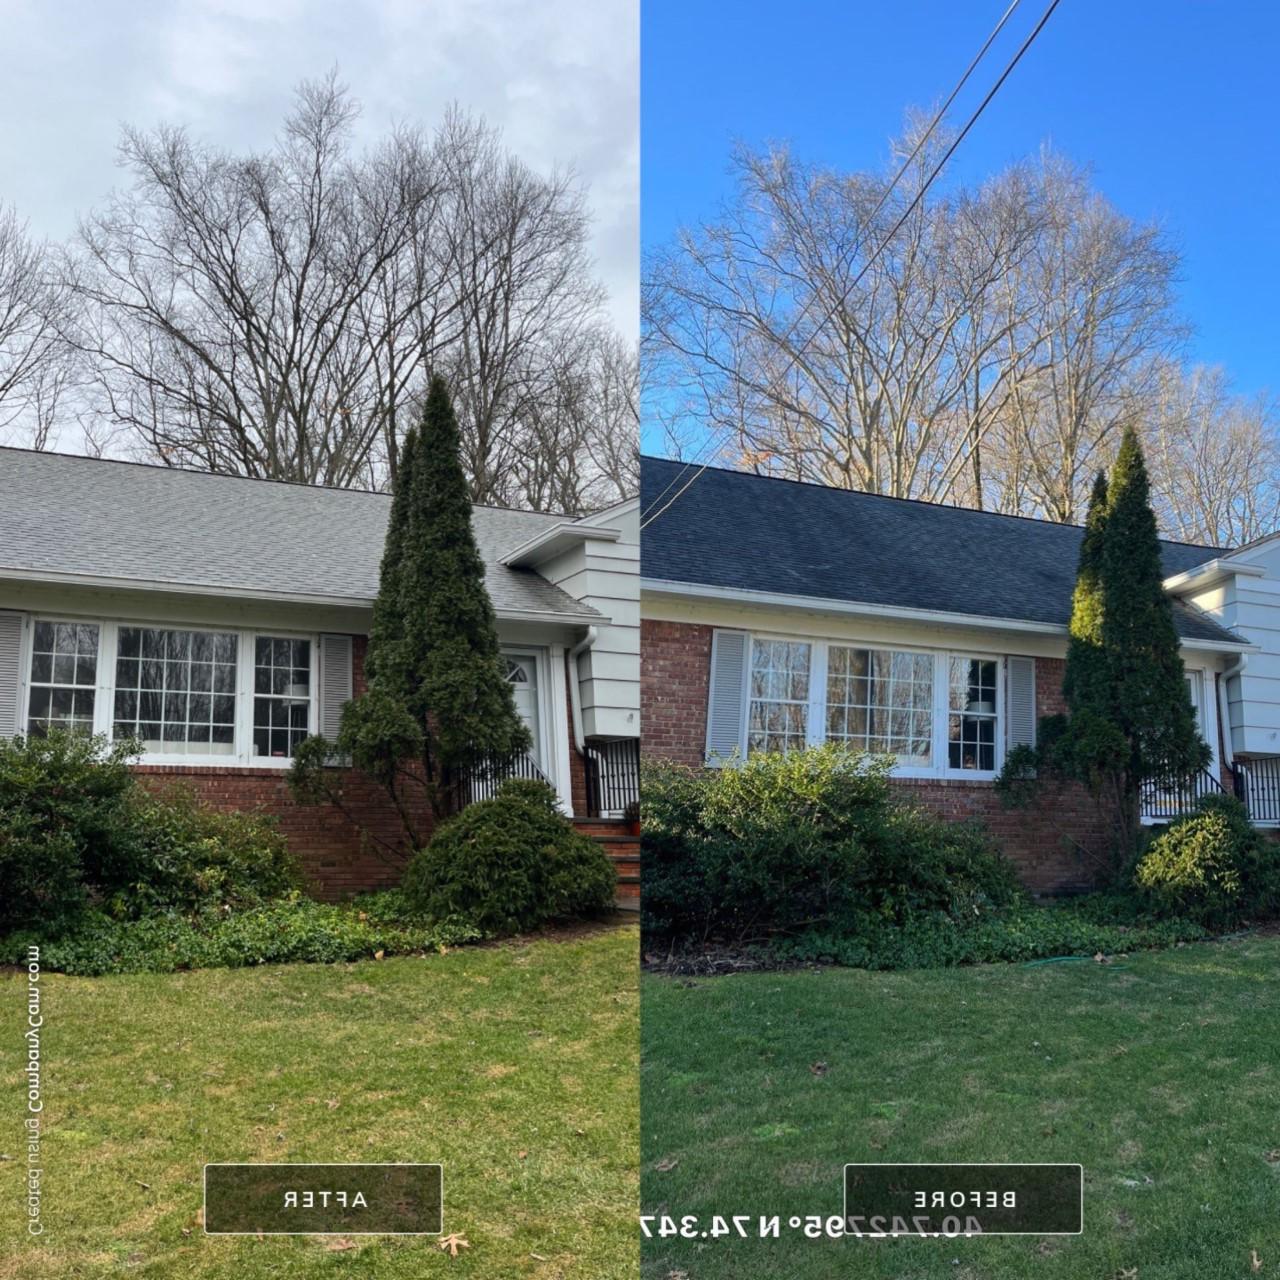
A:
623, 850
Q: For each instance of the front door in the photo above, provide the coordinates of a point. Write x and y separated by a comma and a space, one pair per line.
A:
522, 673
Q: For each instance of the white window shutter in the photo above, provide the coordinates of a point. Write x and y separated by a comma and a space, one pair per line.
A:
335, 683
727, 703
1020, 711
10, 667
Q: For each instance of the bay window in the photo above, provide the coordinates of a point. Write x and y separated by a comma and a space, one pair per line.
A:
188, 695
938, 713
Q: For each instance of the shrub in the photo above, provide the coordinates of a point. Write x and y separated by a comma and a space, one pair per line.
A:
1021, 934
172, 851
509, 864
76, 826
62, 799
806, 839
1212, 866
292, 930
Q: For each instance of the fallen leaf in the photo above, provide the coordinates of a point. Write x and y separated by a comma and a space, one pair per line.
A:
453, 1242
520, 1155
363, 915
331, 1103
1255, 1262
819, 1069
1273, 1156
340, 1245
1127, 1273
146, 1186
377, 955
537, 1257
666, 1164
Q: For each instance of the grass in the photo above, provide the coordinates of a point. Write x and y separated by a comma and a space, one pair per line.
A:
514, 1065
1159, 1073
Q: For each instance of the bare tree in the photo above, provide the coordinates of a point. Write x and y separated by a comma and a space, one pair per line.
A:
983, 352
1214, 458
34, 368
278, 314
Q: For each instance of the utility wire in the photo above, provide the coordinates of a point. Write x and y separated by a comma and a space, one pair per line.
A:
911, 208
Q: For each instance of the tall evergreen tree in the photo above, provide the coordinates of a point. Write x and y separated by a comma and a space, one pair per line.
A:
438, 699
1151, 704
458, 689
384, 655
1084, 681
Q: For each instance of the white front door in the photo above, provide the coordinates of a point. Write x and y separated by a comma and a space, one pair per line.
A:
1195, 685
522, 673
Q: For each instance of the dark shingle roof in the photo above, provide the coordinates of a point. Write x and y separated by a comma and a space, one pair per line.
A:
757, 533
64, 514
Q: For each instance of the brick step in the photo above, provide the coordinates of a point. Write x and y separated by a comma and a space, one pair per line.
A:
602, 826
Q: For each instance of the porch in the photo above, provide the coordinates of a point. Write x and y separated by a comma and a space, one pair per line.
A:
1254, 781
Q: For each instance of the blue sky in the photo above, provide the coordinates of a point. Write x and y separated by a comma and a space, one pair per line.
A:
1175, 105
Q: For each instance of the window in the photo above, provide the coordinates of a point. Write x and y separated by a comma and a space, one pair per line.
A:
971, 720
938, 714
779, 718
64, 677
881, 700
281, 695
175, 690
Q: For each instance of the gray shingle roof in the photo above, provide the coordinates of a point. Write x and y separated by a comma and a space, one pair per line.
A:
63, 514
732, 529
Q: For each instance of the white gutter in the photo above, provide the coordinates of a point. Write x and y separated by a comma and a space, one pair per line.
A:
822, 604
1224, 706
575, 692
100, 582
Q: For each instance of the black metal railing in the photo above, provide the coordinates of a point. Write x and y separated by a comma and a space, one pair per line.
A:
613, 777
1257, 783
1167, 798
482, 778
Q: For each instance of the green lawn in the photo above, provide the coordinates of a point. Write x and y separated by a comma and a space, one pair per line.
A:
1159, 1073
514, 1065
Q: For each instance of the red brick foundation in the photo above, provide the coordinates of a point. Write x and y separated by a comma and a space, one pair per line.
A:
335, 861
1055, 844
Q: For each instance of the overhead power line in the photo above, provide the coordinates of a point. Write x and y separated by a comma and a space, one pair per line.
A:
897, 226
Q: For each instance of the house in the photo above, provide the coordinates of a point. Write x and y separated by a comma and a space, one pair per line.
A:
220, 620
779, 614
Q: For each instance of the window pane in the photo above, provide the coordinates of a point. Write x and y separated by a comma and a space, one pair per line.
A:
64, 661
163, 696
282, 705
779, 712
886, 700
971, 727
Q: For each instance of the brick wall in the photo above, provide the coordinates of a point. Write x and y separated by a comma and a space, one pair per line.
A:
336, 860
675, 670
327, 844
1055, 845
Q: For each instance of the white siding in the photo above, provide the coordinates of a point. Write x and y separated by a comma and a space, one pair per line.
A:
1250, 606
606, 576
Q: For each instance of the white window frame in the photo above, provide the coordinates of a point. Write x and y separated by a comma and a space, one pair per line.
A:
941, 658
105, 700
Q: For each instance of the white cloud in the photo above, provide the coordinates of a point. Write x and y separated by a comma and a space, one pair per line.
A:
560, 77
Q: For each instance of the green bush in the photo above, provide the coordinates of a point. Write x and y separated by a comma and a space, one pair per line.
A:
1021, 934
808, 839
172, 851
62, 800
292, 930
509, 864
77, 827
1212, 866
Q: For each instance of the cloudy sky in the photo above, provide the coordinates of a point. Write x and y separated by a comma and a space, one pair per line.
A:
560, 77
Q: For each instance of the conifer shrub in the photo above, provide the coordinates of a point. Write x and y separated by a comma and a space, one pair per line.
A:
510, 864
